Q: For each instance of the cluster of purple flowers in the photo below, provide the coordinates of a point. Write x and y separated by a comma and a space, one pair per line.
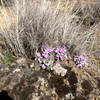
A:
60, 52
80, 61
49, 55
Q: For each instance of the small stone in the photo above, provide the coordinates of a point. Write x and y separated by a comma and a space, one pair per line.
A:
13, 64
16, 70
21, 61
69, 96
32, 65
59, 70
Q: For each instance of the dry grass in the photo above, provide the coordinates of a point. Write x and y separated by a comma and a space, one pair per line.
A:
41, 23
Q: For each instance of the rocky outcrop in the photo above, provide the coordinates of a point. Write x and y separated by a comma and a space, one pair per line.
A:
24, 80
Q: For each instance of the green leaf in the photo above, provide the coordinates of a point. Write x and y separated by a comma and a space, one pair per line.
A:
52, 53
48, 69
7, 57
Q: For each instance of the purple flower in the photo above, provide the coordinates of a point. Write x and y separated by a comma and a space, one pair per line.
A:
48, 50
62, 57
45, 55
49, 63
80, 61
38, 54
60, 52
59, 49
43, 66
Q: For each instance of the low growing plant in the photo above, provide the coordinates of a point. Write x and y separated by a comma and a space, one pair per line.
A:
7, 57
49, 55
80, 61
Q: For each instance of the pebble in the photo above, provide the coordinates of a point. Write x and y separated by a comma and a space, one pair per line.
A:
17, 70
